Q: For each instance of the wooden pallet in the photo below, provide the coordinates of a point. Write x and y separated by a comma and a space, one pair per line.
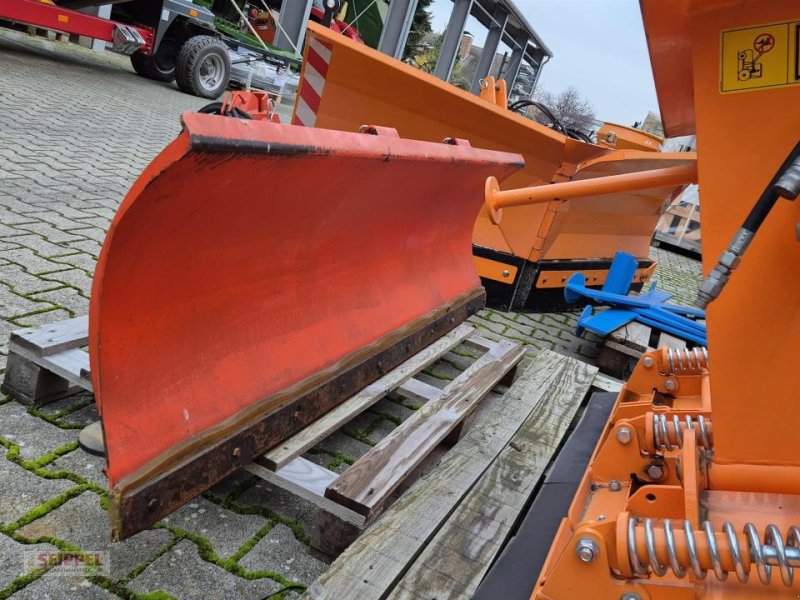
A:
49, 363
349, 502
623, 348
442, 535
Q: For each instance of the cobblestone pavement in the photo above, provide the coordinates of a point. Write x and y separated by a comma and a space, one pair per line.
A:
76, 130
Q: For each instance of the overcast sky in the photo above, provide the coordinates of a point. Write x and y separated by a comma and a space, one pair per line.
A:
598, 47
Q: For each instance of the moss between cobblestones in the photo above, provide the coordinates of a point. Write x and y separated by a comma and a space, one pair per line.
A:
464, 353
36, 467
53, 419
20, 582
479, 326
40, 511
338, 458
364, 436
116, 587
15, 319
389, 417
408, 404
33, 465
298, 530
361, 436
430, 371
136, 571
59, 286
206, 551
250, 544
451, 363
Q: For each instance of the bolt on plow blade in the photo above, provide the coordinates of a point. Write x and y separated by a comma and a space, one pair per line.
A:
257, 275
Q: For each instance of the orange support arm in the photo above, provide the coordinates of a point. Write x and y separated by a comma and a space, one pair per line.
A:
497, 200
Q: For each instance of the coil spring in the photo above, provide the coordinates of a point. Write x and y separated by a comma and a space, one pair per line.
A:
774, 551
663, 434
685, 360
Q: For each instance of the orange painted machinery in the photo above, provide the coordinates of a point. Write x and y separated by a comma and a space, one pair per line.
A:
693, 490
246, 287
525, 259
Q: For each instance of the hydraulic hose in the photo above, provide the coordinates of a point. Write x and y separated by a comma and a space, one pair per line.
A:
784, 184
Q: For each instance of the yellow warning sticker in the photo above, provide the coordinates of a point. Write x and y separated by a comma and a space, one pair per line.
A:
758, 58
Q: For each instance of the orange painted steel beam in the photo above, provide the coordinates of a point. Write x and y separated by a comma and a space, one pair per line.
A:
497, 200
255, 276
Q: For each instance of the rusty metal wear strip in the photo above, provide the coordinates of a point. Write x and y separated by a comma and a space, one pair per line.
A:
256, 275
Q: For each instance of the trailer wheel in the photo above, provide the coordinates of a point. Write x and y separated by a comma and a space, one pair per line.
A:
204, 68
159, 66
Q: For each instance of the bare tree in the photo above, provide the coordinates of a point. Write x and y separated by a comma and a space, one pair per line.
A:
569, 107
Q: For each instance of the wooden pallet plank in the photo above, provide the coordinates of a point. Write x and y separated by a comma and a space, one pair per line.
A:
286, 451
633, 335
369, 568
308, 475
607, 383
53, 338
32, 384
365, 486
68, 364
476, 342
418, 391
455, 561
670, 341
302, 488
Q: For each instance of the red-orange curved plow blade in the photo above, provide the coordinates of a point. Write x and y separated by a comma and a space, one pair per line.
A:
254, 277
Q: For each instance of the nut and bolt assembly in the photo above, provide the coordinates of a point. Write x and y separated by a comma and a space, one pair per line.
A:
587, 550
624, 436
655, 471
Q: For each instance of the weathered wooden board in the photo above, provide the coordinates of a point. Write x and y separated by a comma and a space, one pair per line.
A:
69, 364
670, 341
365, 486
607, 383
331, 421
55, 337
633, 335
371, 566
306, 490
308, 475
418, 391
481, 344
454, 562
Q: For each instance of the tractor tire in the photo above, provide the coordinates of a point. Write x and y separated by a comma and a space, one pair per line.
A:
203, 68
159, 66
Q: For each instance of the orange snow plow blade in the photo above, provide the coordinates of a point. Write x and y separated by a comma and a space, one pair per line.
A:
255, 276
345, 84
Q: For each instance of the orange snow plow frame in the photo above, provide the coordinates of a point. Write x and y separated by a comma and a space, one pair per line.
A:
344, 84
258, 274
